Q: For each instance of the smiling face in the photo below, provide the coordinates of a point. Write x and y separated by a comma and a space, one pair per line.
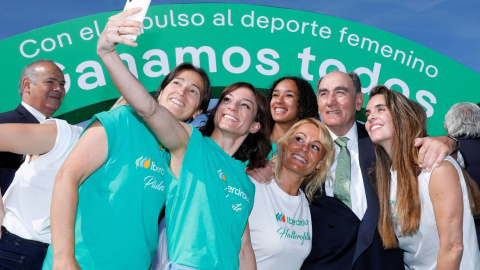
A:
284, 103
182, 95
304, 152
46, 93
379, 123
337, 103
236, 112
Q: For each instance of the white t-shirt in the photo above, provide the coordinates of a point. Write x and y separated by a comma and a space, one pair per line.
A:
421, 249
27, 200
280, 227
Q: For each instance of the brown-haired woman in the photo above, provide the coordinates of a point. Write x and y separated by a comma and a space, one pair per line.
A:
427, 214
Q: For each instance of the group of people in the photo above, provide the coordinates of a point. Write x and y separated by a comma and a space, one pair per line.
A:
329, 194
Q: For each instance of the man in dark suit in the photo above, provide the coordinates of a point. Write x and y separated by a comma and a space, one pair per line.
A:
345, 234
462, 121
42, 90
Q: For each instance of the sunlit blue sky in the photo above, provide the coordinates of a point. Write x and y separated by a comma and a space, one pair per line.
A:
446, 26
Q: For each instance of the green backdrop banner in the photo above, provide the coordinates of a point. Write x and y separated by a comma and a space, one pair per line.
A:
235, 42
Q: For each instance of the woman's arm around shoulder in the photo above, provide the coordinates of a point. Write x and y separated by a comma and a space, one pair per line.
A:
33, 139
447, 199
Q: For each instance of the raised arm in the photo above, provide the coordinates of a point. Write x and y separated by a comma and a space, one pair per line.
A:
447, 199
173, 134
86, 157
33, 139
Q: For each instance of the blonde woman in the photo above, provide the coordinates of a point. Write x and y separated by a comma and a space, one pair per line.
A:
280, 222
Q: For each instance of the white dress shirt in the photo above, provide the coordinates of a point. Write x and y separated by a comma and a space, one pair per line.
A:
357, 188
38, 115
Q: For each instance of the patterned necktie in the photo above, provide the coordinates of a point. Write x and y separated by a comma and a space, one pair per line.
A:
342, 173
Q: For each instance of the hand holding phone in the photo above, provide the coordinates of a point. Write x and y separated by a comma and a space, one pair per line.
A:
144, 4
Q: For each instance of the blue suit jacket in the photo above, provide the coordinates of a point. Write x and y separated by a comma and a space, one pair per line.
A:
9, 162
339, 239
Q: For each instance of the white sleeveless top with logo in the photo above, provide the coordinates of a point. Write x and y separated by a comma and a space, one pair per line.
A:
421, 249
280, 227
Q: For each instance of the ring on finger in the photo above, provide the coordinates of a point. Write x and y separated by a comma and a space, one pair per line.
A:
118, 30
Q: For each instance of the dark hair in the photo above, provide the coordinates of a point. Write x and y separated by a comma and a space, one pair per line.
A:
357, 85
256, 147
207, 88
307, 101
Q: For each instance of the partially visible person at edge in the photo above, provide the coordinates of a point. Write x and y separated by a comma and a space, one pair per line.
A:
462, 122
204, 231
344, 216
41, 88
25, 207
426, 214
112, 187
280, 222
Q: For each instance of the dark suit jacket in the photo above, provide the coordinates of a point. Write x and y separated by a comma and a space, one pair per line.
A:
339, 239
470, 149
10, 162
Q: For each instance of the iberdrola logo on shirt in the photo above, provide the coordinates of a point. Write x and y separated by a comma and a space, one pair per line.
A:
298, 222
147, 163
143, 162
221, 175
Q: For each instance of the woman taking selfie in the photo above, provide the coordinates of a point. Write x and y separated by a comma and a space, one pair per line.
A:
209, 196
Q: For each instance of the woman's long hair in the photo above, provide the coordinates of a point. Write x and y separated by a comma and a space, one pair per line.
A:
256, 147
409, 122
315, 180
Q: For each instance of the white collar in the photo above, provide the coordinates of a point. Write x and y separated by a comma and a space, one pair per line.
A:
352, 135
38, 115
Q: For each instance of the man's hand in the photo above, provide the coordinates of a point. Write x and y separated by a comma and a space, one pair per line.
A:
262, 175
433, 150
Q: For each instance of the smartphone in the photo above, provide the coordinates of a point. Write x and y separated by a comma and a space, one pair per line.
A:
144, 4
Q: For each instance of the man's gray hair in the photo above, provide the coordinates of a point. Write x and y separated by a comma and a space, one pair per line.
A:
463, 119
357, 85
29, 72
